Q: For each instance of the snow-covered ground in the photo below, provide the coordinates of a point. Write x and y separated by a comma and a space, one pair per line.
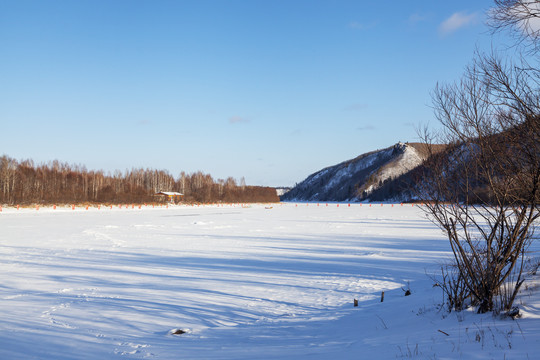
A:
243, 282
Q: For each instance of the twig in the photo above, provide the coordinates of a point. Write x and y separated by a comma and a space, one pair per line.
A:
384, 324
443, 332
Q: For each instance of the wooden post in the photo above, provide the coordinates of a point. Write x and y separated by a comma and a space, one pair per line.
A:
382, 296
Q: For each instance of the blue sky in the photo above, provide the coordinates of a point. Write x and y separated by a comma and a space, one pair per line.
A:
269, 90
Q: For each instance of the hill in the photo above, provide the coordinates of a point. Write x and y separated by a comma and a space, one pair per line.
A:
363, 177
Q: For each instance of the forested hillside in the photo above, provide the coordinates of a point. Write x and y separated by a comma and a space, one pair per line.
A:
24, 182
362, 178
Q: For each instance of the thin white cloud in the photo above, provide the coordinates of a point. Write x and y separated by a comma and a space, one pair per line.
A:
457, 21
238, 120
366, 128
355, 107
416, 18
361, 26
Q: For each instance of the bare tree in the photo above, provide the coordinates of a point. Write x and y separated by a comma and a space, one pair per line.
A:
484, 191
522, 17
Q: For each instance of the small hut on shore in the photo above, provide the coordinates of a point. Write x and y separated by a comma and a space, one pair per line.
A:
170, 196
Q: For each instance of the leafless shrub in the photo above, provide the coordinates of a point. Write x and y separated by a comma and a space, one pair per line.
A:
454, 288
484, 191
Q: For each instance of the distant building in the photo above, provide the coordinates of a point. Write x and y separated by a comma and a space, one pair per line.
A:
171, 196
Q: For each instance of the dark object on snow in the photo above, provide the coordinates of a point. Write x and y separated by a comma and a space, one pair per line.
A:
177, 332
443, 332
407, 291
513, 312
382, 296
355, 302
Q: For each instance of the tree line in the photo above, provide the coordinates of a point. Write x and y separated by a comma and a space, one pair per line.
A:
24, 182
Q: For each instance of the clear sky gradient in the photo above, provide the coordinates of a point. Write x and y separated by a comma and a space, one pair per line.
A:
270, 90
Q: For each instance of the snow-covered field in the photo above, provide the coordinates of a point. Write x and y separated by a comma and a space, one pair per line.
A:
243, 282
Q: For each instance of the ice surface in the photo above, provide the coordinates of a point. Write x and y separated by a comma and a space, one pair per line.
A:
243, 283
